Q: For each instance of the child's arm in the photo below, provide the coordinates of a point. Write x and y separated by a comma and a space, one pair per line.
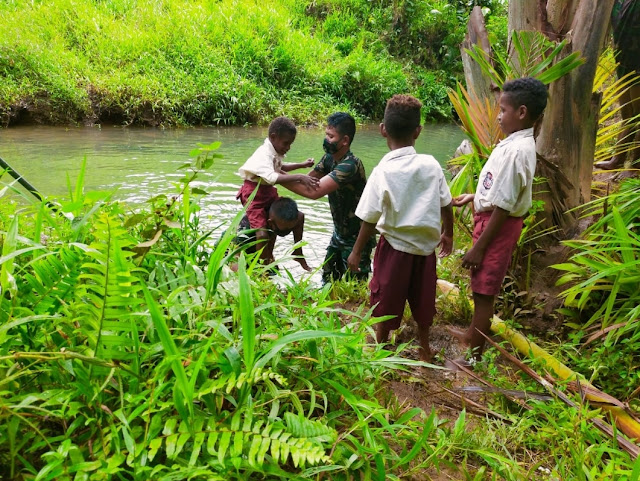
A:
299, 165
446, 237
326, 186
463, 200
366, 231
474, 256
297, 237
305, 180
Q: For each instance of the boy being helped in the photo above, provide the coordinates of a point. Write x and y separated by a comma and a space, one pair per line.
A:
502, 199
342, 178
408, 200
283, 218
263, 170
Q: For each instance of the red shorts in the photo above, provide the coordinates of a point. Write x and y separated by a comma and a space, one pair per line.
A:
398, 277
258, 211
487, 278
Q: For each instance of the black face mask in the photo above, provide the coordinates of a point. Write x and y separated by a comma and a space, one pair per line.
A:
330, 147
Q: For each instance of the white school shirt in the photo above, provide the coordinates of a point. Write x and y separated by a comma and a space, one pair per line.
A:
265, 164
403, 197
506, 179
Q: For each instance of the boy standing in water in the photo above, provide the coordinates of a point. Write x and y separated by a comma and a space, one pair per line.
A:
502, 199
342, 178
408, 200
283, 218
263, 170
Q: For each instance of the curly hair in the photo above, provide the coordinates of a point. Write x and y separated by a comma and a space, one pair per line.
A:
281, 126
285, 208
527, 91
343, 123
402, 116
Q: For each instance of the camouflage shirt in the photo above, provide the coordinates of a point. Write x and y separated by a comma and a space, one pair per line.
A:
350, 176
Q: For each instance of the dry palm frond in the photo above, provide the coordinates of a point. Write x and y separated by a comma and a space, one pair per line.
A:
615, 134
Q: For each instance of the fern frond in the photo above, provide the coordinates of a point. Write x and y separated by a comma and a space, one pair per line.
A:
243, 440
51, 280
110, 293
227, 383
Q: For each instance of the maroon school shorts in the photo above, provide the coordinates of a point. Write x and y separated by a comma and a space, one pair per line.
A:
398, 277
258, 211
487, 278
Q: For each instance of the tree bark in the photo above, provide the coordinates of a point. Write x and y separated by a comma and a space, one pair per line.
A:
566, 142
477, 35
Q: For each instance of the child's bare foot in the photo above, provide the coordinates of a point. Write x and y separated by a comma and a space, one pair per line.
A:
462, 335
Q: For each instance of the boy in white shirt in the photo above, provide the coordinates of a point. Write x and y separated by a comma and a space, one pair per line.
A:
502, 199
408, 200
263, 170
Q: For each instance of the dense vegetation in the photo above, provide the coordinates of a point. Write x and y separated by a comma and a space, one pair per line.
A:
129, 350
231, 62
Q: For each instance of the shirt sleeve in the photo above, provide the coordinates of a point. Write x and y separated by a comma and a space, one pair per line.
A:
445, 193
344, 172
370, 206
320, 166
260, 164
508, 183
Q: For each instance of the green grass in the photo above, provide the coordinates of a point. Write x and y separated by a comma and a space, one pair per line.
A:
177, 62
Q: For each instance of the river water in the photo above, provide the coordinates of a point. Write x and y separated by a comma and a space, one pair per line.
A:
139, 163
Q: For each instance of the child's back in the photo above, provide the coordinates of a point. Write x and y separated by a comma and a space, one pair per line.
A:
405, 199
410, 188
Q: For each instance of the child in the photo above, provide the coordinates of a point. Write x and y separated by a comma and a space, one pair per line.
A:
502, 199
342, 178
406, 198
283, 218
264, 169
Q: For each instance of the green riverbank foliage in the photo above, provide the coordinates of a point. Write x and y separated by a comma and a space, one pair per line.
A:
178, 62
129, 350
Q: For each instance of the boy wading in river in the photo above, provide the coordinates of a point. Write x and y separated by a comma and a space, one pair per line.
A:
263, 170
407, 199
502, 199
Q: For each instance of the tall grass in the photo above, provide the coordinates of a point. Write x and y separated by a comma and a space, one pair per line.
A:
232, 62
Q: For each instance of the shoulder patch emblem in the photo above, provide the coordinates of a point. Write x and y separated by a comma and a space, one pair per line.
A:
488, 181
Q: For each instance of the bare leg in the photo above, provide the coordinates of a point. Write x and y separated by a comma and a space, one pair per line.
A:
482, 315
425, 351
382, 333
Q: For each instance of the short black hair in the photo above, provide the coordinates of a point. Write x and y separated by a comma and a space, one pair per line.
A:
527, 91
402, 116
281, 126
285, 208
344, 123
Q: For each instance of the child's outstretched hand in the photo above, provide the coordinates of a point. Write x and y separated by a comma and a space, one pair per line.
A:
446, 245
463, 199
309, 162
309, 182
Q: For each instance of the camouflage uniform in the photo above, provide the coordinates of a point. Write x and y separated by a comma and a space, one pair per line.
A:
350, 176
625, 19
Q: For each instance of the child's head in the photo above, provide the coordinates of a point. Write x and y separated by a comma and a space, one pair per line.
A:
522, 102
282, 133
402, 119
283, 216
340, 131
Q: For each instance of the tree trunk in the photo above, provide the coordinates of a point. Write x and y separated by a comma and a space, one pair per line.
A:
566, 142
477, 35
